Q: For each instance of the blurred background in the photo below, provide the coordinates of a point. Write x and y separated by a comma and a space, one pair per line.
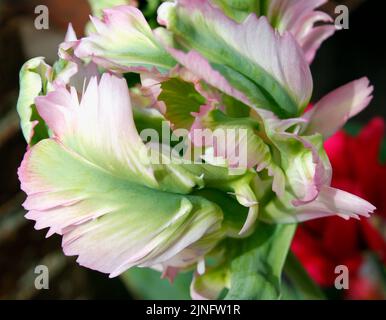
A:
350, 54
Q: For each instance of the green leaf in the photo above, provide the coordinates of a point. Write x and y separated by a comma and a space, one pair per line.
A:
301, 282
256, 270
147, 284
181, 99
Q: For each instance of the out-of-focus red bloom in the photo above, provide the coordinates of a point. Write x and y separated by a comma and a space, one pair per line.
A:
323, 244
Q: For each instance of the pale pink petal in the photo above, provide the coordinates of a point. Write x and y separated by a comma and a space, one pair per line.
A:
300, 18
89, 184
102, 122
313, 40
199, 66
330, 202
70, 35
333, 110
333, 201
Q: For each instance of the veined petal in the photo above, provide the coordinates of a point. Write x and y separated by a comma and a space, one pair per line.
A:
298, 17
123, 42
89, 183
268, 68
199, 66
103, 125
333, 110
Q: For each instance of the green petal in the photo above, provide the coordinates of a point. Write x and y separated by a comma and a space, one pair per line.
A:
181, 99
35, 78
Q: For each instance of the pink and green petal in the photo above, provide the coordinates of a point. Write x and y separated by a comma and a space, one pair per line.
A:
254, 59
123, 41
299, 17
35, 79
91, 184
333, 110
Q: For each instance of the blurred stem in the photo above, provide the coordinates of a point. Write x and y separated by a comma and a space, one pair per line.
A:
300, 279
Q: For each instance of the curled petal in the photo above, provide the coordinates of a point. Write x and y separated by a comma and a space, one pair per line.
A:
91, 184
333, 110
35, 76
209, 285
309, 26
300, 17
330, 202
256, 60
199, 66
123, 41
308, 170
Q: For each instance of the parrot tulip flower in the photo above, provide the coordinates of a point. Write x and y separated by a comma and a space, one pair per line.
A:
119, 200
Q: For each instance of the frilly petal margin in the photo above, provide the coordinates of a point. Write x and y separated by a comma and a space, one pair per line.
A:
89, 185
330, 202
309, 26
123, 41
255, 59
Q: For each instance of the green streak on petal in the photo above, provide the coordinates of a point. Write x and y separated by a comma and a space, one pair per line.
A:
194, 31
34, 78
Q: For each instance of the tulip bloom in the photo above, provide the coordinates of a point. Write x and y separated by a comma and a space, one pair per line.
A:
94, 180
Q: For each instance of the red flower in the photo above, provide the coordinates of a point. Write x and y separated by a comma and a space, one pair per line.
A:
323, 244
